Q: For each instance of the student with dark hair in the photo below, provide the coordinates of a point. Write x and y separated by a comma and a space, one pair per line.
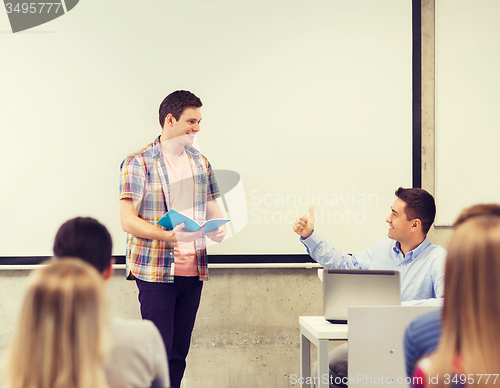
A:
419, 205
137, 356
423, 333
407, 250
169, 266
87, 239
175, 103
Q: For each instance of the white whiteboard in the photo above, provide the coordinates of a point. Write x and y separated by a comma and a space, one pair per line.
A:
467, 105
310, 102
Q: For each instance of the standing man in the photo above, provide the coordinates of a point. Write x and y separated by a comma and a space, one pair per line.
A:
169, 267
408, 250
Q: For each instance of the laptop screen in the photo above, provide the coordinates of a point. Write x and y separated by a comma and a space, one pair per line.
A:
357, 287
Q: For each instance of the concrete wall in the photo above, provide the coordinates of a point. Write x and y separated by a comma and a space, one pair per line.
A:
247, 332
438, 235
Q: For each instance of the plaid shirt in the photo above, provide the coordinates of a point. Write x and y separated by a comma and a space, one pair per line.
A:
144, 179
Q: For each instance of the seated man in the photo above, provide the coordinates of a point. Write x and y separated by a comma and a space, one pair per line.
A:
138, 357
423, 333
407, 250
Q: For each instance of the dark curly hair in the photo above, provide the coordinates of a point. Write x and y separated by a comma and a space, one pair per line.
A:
419, 204
175, 103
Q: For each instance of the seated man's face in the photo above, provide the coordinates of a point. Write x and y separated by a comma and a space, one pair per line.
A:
399, 226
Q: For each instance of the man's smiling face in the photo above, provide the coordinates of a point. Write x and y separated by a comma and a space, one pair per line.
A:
399, 226
188, 125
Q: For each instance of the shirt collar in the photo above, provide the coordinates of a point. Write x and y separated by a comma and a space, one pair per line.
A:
156, 148
191, 150
413, 254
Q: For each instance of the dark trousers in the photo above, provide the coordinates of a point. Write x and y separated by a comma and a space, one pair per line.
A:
172, 308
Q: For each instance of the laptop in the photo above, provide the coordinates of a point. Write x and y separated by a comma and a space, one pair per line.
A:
343, 288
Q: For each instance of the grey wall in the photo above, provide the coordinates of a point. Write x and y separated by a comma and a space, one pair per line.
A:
247, 332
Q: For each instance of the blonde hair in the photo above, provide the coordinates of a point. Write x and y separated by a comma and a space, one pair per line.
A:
60, 339
470, 336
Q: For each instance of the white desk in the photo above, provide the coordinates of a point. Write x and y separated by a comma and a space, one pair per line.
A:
318, 331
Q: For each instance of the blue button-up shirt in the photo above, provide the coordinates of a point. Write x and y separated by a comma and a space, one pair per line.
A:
421, 270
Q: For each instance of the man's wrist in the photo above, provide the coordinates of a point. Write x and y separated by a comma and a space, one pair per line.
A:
309, 235
168, 236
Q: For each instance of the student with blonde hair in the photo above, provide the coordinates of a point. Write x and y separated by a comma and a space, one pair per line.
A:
467, 353
60, 338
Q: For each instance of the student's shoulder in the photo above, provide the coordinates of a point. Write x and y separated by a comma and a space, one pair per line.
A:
438, 248
136, 327
437, 253
423, 333
143, 154
425, 323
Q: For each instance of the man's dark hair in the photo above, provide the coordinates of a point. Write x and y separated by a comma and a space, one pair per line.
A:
87, 239
176, 102
419, 204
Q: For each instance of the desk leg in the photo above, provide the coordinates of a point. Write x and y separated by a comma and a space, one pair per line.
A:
323, 367
305, 359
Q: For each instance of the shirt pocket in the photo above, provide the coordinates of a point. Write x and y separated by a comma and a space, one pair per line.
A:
201, 178
153, 205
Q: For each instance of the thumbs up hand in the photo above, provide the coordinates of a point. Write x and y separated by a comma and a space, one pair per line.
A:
304, 225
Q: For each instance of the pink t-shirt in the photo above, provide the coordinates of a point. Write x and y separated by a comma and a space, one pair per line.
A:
181, 190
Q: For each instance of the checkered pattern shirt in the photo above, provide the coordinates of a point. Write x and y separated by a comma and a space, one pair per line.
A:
144, 179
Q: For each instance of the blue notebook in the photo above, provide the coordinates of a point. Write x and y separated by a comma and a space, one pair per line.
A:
173, 218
